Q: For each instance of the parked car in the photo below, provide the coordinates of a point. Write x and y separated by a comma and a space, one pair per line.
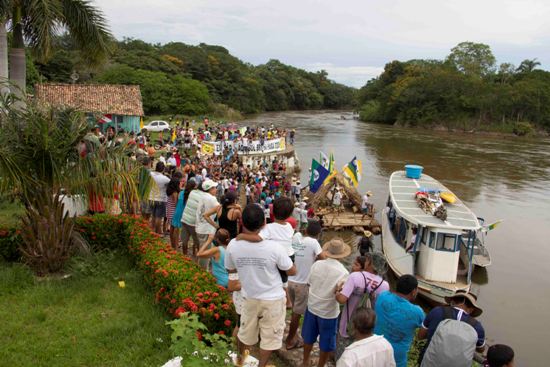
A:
157, 126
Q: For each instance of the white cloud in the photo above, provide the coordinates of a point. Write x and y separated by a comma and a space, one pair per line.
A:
341, 34
355, 76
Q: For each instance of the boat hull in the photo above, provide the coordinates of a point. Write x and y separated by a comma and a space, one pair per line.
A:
401, 262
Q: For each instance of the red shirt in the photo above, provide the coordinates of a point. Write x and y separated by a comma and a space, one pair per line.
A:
292, 222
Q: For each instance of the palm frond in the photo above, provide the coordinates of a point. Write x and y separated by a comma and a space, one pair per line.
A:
6, 7
41, 24
88, 27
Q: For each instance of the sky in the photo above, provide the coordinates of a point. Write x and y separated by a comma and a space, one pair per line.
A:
352, 40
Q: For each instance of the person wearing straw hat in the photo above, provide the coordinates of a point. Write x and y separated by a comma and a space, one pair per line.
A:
321, 316
461, 306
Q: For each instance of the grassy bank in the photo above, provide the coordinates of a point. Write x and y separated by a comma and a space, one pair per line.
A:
83, 320
10, 212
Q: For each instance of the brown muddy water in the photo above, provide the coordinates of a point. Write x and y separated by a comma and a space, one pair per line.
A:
497, 177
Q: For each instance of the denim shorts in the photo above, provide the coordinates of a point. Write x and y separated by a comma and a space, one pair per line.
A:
158, 209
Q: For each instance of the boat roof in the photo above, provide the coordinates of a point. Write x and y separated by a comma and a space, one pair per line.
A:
402, 194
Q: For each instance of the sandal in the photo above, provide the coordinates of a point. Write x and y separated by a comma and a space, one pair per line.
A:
299, 343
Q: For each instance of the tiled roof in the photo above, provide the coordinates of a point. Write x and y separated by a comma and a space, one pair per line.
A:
102, 98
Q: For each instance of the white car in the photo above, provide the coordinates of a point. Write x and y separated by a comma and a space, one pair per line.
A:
157, 126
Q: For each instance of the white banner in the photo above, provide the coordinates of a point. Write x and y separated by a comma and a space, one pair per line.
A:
254, 146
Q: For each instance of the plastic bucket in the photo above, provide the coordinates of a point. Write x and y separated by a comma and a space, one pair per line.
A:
413, 171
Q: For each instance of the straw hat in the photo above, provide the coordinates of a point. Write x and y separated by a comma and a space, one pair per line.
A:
368, 193
336, 249
472, 298
367, 234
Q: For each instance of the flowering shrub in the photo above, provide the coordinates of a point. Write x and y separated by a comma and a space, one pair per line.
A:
179, 284
10, 240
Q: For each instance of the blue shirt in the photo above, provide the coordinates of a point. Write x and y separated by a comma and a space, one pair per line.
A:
218, 269
397, 319
435, 316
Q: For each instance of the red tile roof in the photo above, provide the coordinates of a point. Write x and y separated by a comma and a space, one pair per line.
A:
102, 98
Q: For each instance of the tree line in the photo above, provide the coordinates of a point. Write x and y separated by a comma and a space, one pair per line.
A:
467, 89
176, 78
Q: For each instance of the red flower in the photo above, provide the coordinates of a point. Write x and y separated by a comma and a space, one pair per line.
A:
217, 316
221, 332
179, 311
227, 323
199, 335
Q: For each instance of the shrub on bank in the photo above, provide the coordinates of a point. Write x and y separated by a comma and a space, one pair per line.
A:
10, 240
179, 284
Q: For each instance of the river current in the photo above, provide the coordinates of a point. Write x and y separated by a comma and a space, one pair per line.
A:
504, 178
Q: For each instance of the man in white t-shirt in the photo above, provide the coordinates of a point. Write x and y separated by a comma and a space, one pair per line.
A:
158, 198
368, 350
258, 264
306, 251
365, 205
321, 317
202, 227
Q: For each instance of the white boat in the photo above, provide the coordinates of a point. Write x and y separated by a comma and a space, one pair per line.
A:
434, 257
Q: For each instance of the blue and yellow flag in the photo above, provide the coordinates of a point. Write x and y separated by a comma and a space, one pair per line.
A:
353, 171
318, 176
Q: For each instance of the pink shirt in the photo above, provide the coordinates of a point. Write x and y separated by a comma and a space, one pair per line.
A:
354, 289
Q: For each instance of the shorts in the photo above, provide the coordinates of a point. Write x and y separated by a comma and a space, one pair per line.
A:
202, 239
298, 296
283, 274
145, 207
266, 318
158, 209
315, 326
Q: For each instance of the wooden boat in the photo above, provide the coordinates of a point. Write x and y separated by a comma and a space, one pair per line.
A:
434, 257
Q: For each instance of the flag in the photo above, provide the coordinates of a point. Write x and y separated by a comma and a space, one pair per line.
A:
141, 123
331, 163
323, 158
318, 175
173, 135
353, 171
492, 226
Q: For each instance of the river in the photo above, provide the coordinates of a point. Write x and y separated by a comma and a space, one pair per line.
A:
497, 177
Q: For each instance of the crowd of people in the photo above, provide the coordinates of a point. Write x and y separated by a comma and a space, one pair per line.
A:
266, 249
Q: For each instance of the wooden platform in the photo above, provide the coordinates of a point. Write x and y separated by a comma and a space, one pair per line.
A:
348, 220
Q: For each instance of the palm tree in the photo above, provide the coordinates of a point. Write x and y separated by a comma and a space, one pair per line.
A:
39, 162
528, 66
36, 22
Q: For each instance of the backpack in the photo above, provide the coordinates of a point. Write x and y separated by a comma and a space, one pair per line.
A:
366, 301
453, 343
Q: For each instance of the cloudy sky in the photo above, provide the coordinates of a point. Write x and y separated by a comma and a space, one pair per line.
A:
350, 39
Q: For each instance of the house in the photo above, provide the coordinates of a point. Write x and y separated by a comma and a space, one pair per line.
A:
106, 105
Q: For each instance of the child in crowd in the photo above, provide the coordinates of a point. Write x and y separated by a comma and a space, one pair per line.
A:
221, 240
280, 232
500, 355
306, 251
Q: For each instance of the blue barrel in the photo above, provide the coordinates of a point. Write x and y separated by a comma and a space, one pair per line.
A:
413, 171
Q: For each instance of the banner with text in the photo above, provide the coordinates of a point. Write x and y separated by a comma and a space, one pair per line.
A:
252, 147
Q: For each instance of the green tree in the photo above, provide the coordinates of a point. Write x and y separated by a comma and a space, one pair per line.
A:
36, 23
471, 58
528, 66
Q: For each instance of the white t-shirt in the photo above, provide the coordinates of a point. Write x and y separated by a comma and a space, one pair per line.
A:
158, 190
280, 233
257, 264
324, 276
247, 190
337, 199
206, 203
171, 161
365, 202
373, 351
306, 250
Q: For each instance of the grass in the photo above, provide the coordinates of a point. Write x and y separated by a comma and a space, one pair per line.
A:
84, 320
10, 213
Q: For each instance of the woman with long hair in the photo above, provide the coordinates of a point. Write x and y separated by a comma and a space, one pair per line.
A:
228, 214
172, 192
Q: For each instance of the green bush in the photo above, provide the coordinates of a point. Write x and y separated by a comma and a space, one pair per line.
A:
10, 241
370, 111
523, 128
